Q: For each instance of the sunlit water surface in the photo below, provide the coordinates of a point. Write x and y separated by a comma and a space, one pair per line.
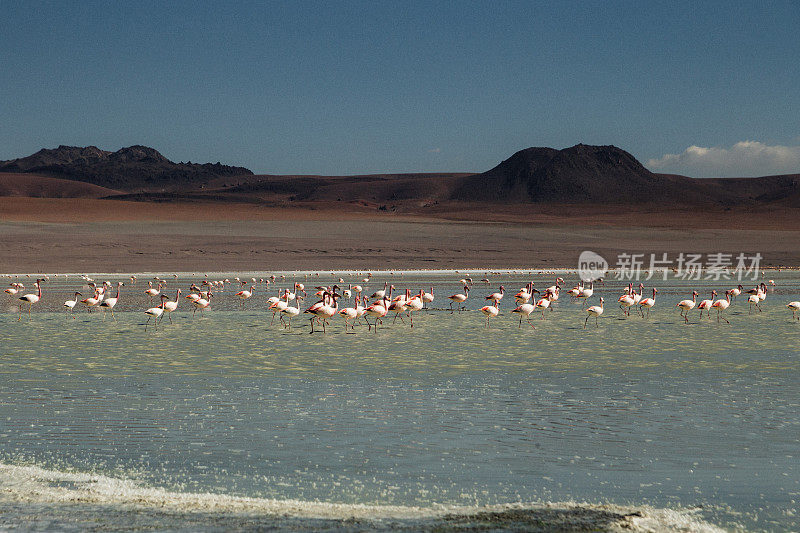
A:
641, 412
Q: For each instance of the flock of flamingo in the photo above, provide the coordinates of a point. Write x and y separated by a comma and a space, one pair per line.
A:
384, 302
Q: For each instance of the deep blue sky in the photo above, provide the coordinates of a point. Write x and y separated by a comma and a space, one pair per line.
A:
352, 87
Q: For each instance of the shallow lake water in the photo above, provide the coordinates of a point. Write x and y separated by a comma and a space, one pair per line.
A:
97, 415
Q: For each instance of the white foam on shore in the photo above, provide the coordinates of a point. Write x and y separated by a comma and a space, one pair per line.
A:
34, 485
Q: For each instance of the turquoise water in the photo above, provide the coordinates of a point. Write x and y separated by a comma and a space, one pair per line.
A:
647, 413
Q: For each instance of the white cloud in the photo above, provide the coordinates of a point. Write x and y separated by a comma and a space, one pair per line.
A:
745, 158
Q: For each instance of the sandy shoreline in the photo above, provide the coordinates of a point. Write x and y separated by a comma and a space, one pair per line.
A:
76, 235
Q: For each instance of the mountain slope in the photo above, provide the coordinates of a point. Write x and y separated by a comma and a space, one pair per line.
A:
580, 174
128, 169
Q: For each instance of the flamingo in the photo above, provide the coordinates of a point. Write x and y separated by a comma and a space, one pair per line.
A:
302, 288
524, 294
377, 310
170, 306
324, 309
70, 304
92, 301
575, 291
586, 293
459, 298
290, 312
380, 294
279, 305
361, 308
736, 292
687, 305
496, 296
399, 306
245, 294
349, 313
543, 303
151, 291
14, 289
594, 311
637, 297
155, 312
31, 298
706, 304
754, 299
427, 297
627, 300
109, 303
795, 307
201, 303
490, 311
648, 303
415, 303
524, 310
722, 305
557, 286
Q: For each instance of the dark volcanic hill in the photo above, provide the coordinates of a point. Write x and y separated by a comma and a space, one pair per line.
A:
128, 169
578, 174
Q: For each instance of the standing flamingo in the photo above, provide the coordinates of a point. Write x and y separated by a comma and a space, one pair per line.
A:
201, 303
70, 304
428, 296
349, 313
687, 305
706, 304
586, 293
496, 296
754, 299
244, 294
170, 306
648, 303
31, 298
722, 305
544, 302
150, 292
795, 307
594, 311
459, 298
92, 301
524, 310
155, 312
109, 303
14, 289
415, 303
490, 311
377, 310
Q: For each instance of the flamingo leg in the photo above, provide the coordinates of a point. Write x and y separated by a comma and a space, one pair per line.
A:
534, 327
586, 322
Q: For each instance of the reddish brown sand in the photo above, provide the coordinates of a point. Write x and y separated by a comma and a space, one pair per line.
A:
88, 235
